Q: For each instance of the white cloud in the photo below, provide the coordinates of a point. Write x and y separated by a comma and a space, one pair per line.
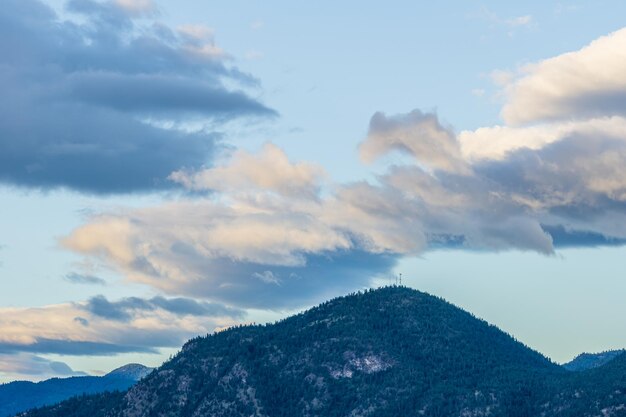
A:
267, 276
586, 83
417, 134
496, 142
270, 170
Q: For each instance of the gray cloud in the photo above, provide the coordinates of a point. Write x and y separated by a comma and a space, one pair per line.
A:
31, 366
83, 321
76, 278
319, 277
76, 97
79, 348
186, 306
125, 309
566, 238
418, 134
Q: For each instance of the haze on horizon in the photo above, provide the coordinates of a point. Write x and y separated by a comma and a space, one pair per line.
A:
169, 168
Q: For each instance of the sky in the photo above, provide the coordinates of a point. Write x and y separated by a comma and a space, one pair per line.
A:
171, 168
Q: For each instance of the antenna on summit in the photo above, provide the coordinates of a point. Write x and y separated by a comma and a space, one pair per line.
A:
400, 278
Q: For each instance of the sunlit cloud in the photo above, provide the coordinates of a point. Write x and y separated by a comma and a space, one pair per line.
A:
276, 233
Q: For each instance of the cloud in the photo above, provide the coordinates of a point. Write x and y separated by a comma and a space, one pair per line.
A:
270, 170
98, 105
219, 252
511, 22
268, 277
76, 278
99, 327
582, 84
417, 134
267, 249
26, 366
562, 237
497, 142
73, 347
125, 309
272, 234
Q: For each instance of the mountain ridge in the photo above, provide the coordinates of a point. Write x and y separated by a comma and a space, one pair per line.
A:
18, 396
586, 360
386, 352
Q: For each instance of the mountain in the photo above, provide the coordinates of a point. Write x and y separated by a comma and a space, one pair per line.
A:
586, 361
132, 371
386, 352
23, 395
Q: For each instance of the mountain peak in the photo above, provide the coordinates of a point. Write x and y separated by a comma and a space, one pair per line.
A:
134, 371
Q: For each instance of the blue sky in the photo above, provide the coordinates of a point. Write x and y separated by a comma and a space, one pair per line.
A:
169, 168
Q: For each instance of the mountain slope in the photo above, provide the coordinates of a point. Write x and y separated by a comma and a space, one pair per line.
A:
389, 352
586, 361
22, 395
335, 358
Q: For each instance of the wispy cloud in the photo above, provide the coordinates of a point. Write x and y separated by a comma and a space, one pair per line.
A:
33, 367
76, 278
513, 22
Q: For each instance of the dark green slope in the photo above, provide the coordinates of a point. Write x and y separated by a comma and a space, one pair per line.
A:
389, 352
599, 391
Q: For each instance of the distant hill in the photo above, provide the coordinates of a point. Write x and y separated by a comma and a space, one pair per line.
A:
19, 396
388, 352
132, 371
586, 361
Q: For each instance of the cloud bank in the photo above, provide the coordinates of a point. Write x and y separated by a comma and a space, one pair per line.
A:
85, 104
274, 233
100, 327
92, 327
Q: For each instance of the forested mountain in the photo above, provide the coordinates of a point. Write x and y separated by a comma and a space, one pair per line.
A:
592, 360
22, 395
387, 352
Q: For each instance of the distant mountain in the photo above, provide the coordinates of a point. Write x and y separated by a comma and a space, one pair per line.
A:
586, 361
388, 352
19, 396
132, 371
